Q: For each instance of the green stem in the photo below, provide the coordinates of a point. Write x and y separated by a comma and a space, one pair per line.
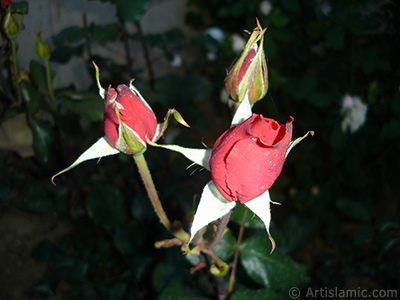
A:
223, 223
49, 84
155, 201
236, 258
16, 73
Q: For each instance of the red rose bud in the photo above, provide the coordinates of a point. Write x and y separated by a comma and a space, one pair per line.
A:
128, 120
246, 159
249, 75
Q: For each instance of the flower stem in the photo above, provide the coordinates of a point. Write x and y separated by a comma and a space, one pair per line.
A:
49, 84
220, 230
16, 73
155, 201
235, 259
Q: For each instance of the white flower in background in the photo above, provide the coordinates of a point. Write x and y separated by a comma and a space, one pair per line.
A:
326, 8
238, 43
176, 61
216, 33
354, 113
265, 7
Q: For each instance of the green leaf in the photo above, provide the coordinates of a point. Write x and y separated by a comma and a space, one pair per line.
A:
32, 97
358, 210
212, 206
20, 7
226, 247
363, 235
263, 294
43, 138
386, 224
292, 6
127, 239
335, 36
44, 251
131, 11
106, 206
63, 54
79, 271
391, 130
99, 149
105, 33
87, 105
297, 232
79, 294
36, 205
177, 290
278, 18
43, 289
38, 73
271, 270
37, 200
71, 34
117, 291
190, 88
250, 219
4, 191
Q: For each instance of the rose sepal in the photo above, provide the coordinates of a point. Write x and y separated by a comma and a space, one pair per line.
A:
261, 207
128, 139
102, 91
202, 156
98, 150
212, 206
161, 127
243, 112
198, 156
298, 140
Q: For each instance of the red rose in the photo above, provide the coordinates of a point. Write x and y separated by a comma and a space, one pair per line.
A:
7, 2
246, 159
137, 120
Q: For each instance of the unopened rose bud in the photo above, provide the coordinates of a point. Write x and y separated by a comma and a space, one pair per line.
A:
43, 49
249, 75
128, 120
248, 158
12, 25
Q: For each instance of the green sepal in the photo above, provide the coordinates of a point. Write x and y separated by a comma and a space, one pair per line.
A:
97, 150
212, 206
298, 140
242, 113
129, 141
198, 156
102, 92
163, 126
261, 207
